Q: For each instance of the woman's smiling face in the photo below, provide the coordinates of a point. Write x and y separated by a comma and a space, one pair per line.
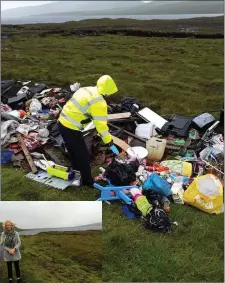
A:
8, 226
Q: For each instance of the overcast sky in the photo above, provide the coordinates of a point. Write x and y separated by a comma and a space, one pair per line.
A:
30, 214
14, 4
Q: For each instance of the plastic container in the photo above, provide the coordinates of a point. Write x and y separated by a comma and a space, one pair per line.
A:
138, 152
156, 148
6, 155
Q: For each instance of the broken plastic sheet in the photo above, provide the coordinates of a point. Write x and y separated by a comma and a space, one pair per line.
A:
150, 116
45, 179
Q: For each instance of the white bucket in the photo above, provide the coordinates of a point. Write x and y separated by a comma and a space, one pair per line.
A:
138, 152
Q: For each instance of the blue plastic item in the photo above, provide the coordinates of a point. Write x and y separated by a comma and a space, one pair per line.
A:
119, 194
127, 212
6, 155
158, 185
44, 111
114, 149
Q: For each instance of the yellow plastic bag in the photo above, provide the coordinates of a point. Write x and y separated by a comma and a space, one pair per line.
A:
179, 167
205, 193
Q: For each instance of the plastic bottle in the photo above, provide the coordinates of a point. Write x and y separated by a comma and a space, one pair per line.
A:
166, 204
102, 170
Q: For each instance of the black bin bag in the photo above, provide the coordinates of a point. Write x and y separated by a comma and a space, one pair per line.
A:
121, 174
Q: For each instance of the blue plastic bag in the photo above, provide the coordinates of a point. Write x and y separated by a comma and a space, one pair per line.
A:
158, 185
6, 155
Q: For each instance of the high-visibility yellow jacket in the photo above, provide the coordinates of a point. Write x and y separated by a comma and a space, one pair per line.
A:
88, 103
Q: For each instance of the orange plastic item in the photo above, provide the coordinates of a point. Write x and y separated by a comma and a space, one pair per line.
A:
157, 167
22, 113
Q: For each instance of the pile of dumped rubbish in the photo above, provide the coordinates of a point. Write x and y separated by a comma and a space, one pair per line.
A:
162, 159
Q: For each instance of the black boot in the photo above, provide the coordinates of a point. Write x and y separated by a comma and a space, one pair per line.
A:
10, 280
18, 280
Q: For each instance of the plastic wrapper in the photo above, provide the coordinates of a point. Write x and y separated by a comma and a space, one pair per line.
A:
35, 107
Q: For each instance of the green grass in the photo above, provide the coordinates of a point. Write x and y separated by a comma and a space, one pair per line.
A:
180, 76
15, 186
68, 257
193, 252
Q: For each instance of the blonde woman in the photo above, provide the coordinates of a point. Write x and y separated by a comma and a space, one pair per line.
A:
10, 241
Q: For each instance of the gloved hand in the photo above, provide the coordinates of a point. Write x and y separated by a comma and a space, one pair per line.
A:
114, 149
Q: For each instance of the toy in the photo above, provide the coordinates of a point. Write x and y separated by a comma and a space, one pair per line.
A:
61, 172
118, 190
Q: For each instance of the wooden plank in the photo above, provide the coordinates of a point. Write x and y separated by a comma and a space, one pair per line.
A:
120, 143
27, 154
119, 116
128, 133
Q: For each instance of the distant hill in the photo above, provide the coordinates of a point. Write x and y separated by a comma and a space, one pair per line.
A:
106, 8
67, 6
154, 8
94, 226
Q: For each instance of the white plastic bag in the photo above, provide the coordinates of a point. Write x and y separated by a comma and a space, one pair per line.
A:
35, 106
23, 129
75, 87
145, 131
177, 193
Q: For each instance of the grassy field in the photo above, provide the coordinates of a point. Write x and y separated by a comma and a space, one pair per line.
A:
193, 252
181, 76
68, 257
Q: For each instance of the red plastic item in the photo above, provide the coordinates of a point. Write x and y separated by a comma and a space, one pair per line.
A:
157, 167
108, 160
22, 113
14, 146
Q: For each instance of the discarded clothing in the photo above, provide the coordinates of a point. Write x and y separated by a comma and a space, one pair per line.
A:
127, 104
38, 88
7, 129
5, 108
23, 129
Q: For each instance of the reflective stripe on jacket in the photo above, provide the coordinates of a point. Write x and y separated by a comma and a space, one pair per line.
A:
86, 103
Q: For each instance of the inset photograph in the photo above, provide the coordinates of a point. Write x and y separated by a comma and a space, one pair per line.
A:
54, 242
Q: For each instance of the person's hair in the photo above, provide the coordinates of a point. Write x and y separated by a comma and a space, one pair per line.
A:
8, 221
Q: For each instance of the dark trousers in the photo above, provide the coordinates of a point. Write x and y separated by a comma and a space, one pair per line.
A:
78, 151
17, 268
